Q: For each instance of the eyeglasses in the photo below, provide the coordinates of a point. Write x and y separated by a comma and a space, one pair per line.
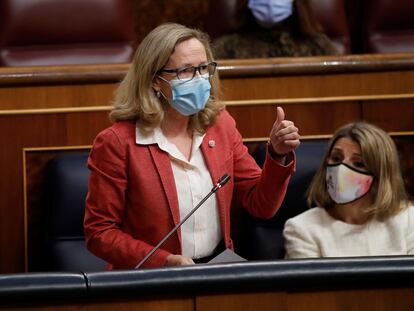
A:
186, 74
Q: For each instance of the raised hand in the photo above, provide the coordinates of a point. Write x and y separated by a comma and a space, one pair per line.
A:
284, 136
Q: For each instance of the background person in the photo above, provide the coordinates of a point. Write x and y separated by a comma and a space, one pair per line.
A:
171, 141
361, 202
277, 28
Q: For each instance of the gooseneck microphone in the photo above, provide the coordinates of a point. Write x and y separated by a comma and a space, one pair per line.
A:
220, 183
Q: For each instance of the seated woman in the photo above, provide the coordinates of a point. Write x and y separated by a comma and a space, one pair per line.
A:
276, 28
362, 208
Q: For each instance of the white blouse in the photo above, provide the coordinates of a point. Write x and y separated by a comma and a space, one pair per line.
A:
315, 233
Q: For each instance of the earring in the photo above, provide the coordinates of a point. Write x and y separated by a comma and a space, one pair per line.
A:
158, 93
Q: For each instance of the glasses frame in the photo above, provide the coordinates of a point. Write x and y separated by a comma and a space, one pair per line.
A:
195, 69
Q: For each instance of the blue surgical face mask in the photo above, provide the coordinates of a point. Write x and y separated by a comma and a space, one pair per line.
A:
268, 13
189, 97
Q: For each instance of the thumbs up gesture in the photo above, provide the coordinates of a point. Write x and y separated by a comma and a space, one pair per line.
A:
284, 136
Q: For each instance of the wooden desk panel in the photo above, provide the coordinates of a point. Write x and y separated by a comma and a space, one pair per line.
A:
154, 304
243, 302
353, 299
358, 300
365, 283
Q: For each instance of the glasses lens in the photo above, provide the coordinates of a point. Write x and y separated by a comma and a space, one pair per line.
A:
186, 74
207, 69
212, 68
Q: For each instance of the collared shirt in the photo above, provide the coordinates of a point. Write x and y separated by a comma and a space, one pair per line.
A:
201, 233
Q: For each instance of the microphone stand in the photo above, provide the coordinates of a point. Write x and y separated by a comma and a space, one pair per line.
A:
221, 182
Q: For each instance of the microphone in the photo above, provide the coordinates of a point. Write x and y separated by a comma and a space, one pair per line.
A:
220, 183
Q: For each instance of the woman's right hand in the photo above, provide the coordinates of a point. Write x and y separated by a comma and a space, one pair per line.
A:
178, 260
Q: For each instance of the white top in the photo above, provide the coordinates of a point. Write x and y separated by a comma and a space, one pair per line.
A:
315, 233
201, 233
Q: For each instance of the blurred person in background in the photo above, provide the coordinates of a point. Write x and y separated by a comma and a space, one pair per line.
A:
277, 28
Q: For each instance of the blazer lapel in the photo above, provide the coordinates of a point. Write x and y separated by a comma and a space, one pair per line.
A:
162, 162
211, 151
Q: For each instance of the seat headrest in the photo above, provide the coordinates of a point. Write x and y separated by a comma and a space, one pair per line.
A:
45, 22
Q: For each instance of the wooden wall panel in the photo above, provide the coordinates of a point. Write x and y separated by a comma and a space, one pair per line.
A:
59, 86
392, 115
302, 86
312, 119
33, 130
55, 96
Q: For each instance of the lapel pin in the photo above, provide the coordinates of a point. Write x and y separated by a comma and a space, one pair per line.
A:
211, 143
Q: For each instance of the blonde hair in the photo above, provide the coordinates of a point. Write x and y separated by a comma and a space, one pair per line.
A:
135, 98
387, 195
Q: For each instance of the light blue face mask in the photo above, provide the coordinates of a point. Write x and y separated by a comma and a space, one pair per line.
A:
189, 97
270, 12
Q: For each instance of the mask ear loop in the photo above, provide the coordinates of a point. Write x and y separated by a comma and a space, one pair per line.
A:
160, 95
157, 93
161, 98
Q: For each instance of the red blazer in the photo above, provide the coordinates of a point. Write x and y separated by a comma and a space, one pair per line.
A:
132, 201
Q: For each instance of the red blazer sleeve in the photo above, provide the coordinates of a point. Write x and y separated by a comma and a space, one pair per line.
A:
259, 191
105, 207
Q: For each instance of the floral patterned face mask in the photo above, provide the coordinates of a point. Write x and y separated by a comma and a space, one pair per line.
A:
346, 184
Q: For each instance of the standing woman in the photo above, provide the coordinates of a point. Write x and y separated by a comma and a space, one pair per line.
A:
170, 142
362, 209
